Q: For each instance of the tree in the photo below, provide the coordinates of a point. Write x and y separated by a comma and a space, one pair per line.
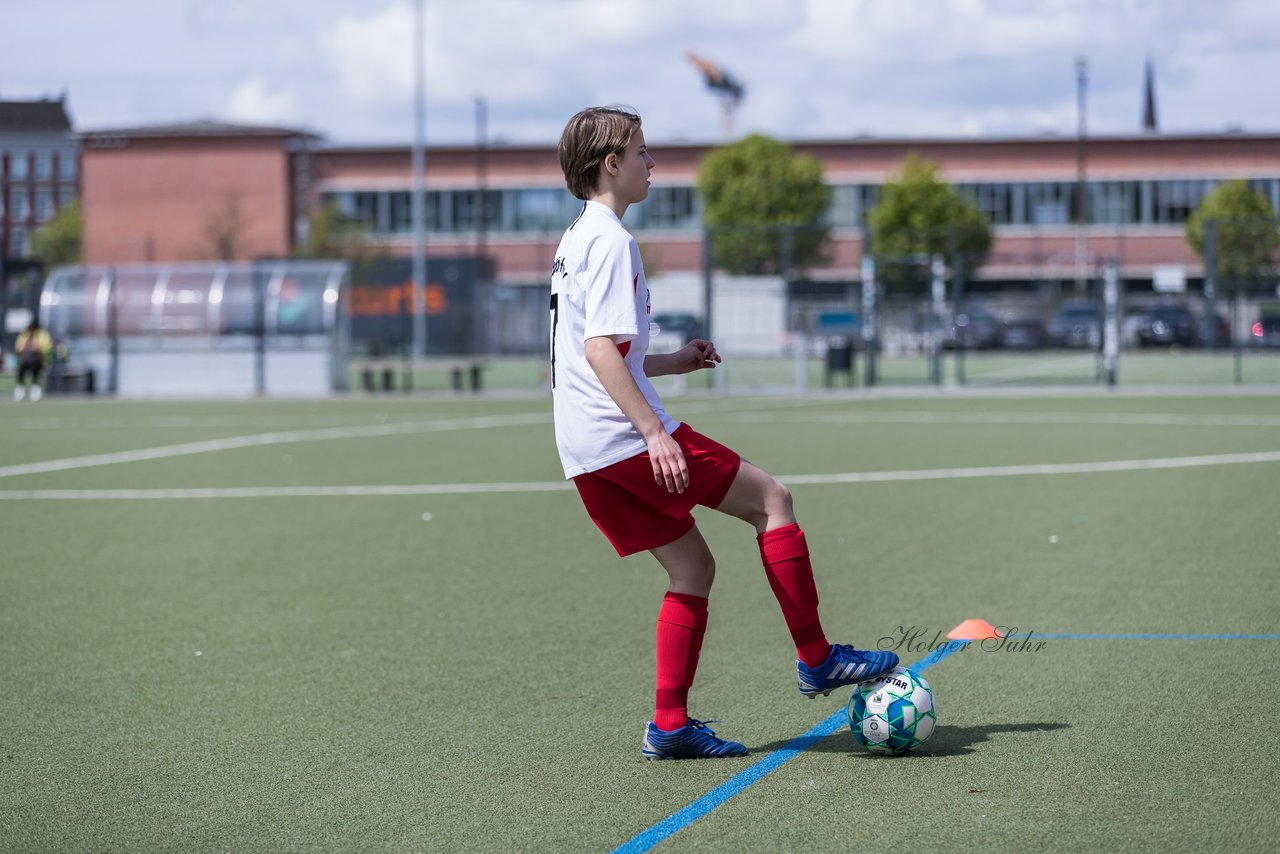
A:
764, 206
59, 240
224, 231
332, 234
1246, 234
920, 215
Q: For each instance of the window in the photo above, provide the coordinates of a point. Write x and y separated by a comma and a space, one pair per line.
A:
995, 201
44, 165
18, 166
364, 209
1175, 201
19, 206
68, 163
870, 194
18, 242
343, 202
844, 210
670, 208
540, 210
44, 205
1050, 203
1113, 202
401, 212
467, 209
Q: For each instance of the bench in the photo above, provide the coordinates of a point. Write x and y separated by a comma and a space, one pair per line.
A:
390, 374
71, 379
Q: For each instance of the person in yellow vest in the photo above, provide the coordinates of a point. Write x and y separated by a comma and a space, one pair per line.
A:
32, 348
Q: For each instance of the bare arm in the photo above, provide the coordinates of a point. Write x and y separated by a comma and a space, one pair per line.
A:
694, 356
668, 461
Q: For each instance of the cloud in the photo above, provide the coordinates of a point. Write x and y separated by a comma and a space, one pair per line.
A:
254, 103
812, 68
371, 57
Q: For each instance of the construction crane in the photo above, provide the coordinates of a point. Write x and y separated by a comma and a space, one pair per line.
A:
723, 84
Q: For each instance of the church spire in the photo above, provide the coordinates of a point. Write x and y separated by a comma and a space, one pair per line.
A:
1149, 101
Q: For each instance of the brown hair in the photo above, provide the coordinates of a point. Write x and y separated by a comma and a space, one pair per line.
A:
588, 138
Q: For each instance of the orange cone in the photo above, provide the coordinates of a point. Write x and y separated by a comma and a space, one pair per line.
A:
973, 630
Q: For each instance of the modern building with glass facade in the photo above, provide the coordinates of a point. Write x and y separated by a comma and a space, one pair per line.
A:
508, 202
1138, 192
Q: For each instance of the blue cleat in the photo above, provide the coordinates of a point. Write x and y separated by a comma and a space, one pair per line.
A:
844, 666
695, 740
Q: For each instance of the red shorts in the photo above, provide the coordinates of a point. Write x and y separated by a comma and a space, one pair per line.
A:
637, 514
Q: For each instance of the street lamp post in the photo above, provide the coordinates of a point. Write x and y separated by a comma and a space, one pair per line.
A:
417, 203
1082, 80
482, 175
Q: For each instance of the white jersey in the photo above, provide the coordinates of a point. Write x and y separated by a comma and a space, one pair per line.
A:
597, 288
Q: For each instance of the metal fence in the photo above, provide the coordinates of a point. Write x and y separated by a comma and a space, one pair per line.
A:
918, 320
787, 324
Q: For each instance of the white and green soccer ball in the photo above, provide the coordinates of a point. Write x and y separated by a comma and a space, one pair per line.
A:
893, 713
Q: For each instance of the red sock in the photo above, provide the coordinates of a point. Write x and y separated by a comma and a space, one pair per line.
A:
682, 622
785, 555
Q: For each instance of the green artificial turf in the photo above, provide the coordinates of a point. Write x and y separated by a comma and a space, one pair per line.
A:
472, 671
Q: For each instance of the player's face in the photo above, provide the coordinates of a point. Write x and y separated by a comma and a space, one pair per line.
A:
634, 166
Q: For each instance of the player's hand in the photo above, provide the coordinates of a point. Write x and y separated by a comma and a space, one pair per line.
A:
695, 356
669, 466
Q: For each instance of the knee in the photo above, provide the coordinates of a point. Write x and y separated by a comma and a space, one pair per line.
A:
707, 568
696, 577
778, 504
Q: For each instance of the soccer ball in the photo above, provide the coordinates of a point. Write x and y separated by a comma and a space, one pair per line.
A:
893, 713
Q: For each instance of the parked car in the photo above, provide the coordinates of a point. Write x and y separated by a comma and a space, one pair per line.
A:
1265, 331
1165, 325
685, 327
973, 329
1171, 324
1022, 332
1077, 324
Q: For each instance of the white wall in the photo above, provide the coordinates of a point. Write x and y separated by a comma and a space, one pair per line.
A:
749, 316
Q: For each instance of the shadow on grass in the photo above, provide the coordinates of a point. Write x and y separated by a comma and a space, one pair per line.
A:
945, 741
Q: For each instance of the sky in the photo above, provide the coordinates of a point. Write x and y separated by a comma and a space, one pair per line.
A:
812, 69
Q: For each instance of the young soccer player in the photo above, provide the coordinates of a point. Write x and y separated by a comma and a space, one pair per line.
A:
638, 470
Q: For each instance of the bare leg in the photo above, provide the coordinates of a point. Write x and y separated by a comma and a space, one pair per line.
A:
689, 564
758, 499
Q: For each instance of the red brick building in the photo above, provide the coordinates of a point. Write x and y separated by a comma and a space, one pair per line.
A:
192, 192
1138, 192
207, 190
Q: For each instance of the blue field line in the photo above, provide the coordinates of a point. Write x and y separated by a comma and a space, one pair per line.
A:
647, 839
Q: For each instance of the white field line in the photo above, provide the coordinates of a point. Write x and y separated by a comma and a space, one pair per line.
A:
290, 436
247, 421
280, 438
1050, 418
563, 486
1034, 369
286, 491
186, 422
1037, 469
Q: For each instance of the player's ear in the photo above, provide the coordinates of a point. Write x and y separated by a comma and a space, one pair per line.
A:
611, 163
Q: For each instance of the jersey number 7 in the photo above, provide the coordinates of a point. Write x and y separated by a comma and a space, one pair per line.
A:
555, 320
